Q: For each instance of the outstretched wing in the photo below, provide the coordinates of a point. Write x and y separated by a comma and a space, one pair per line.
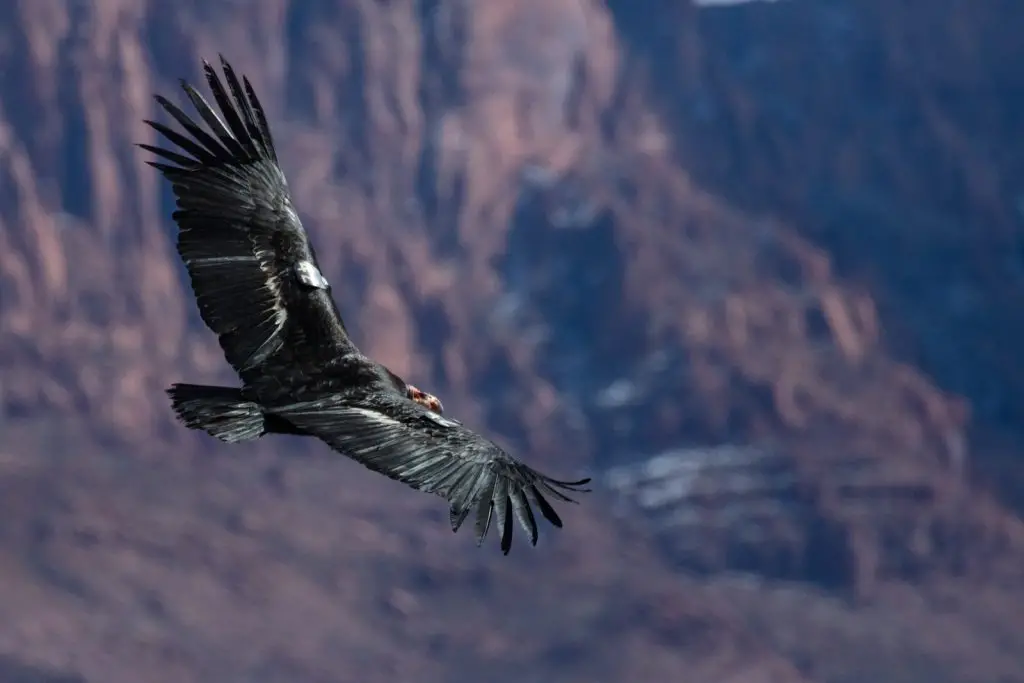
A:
431, 453
254, 273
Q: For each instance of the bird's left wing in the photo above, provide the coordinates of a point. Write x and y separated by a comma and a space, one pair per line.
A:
437, 455
253, 270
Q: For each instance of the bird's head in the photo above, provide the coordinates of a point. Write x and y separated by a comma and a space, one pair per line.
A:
428, 401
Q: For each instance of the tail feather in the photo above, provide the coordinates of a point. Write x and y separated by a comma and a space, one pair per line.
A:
221, 412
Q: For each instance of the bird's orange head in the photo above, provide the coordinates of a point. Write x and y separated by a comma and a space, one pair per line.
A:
428, 401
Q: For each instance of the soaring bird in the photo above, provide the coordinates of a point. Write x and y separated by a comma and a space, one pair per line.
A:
259, 288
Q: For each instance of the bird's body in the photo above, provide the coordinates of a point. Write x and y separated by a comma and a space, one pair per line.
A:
260, 289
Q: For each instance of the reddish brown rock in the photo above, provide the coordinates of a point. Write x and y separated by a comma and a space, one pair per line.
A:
590, 232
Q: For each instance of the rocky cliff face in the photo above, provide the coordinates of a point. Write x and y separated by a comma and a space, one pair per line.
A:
601, 235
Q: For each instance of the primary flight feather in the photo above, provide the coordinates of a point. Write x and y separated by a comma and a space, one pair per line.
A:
260, 290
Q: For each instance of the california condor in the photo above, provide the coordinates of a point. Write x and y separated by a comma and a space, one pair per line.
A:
260, 290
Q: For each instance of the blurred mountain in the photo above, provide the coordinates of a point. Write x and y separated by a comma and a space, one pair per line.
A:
757, 266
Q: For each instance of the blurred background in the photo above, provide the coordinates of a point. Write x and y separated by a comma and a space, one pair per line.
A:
758, 267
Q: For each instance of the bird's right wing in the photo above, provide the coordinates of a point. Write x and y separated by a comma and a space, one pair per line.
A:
254, 273
434, 454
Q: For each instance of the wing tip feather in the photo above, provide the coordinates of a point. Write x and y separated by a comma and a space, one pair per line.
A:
507, 497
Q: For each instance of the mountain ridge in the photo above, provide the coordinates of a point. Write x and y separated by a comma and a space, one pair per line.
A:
595, 238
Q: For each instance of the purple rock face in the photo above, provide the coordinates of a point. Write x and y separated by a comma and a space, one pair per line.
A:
758, 268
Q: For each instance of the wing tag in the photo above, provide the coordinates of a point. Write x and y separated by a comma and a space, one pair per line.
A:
310, 275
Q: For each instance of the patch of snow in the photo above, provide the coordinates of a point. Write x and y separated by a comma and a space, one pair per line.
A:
617, 394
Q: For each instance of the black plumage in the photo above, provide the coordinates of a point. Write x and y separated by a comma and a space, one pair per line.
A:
259, 288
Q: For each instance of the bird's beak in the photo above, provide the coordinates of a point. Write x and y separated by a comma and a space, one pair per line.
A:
438, 407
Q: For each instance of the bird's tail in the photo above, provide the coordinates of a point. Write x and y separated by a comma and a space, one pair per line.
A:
221, 412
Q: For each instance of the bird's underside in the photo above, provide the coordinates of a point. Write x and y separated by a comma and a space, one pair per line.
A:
260, 289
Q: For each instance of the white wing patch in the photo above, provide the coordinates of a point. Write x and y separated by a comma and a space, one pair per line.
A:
374, 416
213, 261
380, 418
310, 275
277, 310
